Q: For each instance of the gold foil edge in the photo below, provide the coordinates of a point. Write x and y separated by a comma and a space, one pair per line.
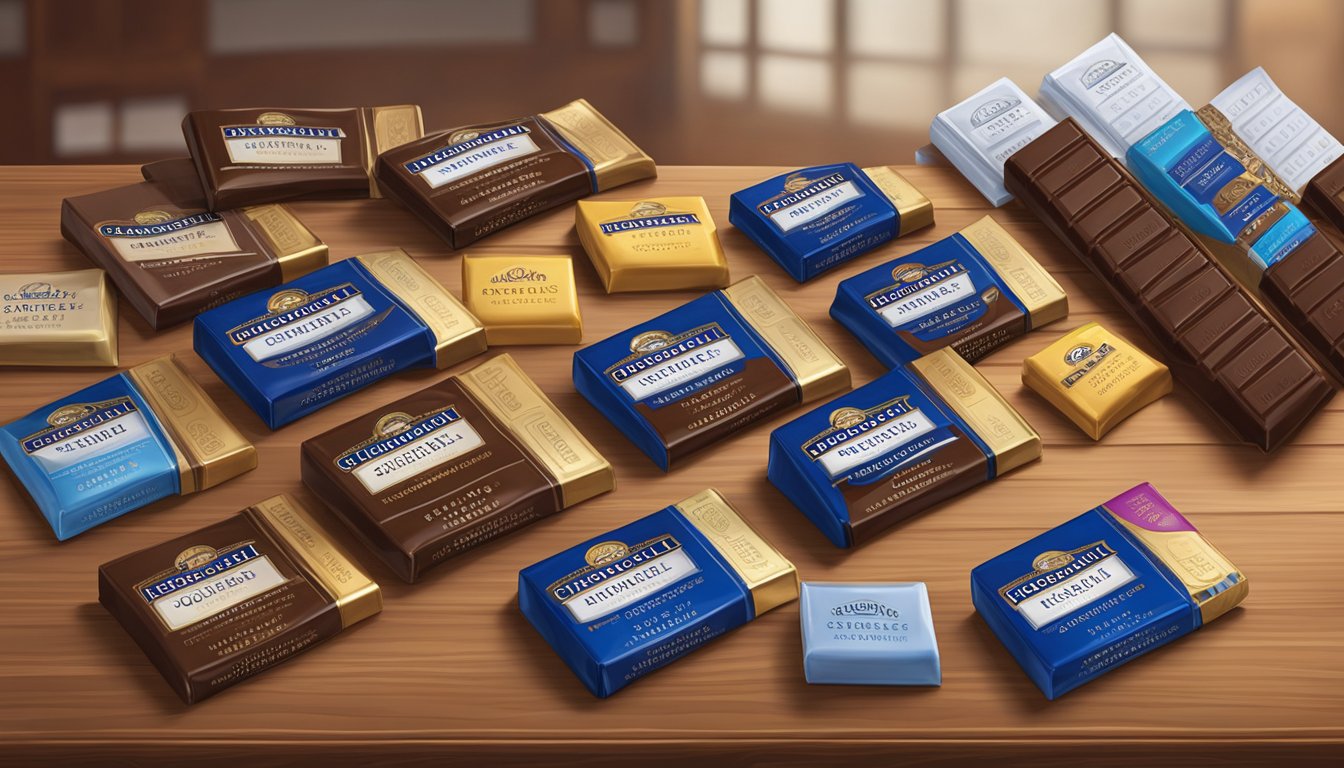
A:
1222, 130
510, 395
772, 579
818, 371
82, 346
388, 128
457, 333
296, 248
357, 596
1044, 299
209, 448
914, 208
980, 405
1212, 581
620, 273
615, 158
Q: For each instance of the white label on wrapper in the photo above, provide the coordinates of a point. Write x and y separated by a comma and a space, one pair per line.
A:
815, 206
928, 301
1083, 588
633, 585
107, 437
217, 594
876, 443
283, 148
200, 240
436, 448
479, 159
308, 329
685, 367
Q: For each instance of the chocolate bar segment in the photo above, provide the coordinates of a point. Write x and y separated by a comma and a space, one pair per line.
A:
1214, 339
1325, 194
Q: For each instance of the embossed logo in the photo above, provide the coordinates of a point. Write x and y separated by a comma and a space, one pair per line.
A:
1078, 354
195, 557
866, 608
286, 299
992, 109
1099, 71
606, 552
274, 118
650, 341
520, 275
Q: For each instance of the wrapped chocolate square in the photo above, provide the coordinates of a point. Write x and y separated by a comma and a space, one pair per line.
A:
219, 605
901, 444
434, 474
523, 299
290, 351
252, 156
473, 181
706, 370
172, 257
633, 600
664, 244
142, 435
58, 318
818, 218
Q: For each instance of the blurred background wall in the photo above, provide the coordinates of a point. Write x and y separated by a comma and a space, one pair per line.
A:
786, 82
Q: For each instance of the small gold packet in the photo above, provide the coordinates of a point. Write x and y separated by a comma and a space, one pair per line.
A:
666, 244
1096, 378
58, 318
523, 299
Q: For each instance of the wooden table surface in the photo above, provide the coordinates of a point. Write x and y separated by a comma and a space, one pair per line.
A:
451, 668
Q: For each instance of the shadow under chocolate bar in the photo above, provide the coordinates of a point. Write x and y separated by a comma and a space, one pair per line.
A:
1214, 338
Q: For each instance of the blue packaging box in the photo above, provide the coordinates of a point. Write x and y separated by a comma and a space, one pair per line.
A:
633, 600
974, 291
705, 370
900, 444
142, 435
818, 218
1108, 586
291, 350
868, 634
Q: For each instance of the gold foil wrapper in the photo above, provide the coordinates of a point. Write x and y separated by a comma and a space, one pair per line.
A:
58, 319
295, 246
387, 128
1096, 378
458, 334
1044, 299
772, 579
209, 449
357, 596
819, 371
523, 299
615, 158
916, 210
671, 258
502, 387
980, 405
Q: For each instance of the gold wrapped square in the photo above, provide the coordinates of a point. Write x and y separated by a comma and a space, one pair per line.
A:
58, 319
768, 574
615, 158
458, 334
817, 369
660, 244
523, 299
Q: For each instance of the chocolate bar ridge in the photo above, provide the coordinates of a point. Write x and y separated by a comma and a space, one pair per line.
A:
1215, 339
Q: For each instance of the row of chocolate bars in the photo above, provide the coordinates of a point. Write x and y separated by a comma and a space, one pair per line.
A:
1195, 237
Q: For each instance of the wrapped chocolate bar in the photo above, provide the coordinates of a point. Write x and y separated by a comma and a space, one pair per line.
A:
439, 472
172, 257
1108, 586
125, 442
707, 369
252, 156
818, 218
902, 443
523, 299
470, 182
292, 350
665, 244
633, 600
974, 292
58, 318
214, 607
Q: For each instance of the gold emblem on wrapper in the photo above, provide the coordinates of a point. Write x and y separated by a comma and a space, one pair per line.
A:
605, 552
816, 368
980, 405
768, 574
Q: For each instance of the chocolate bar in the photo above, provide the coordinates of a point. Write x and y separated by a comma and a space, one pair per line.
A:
1214, 338
1325, 194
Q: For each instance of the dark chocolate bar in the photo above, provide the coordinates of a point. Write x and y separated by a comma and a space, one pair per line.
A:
1324, 194
1307, 288
1216, 341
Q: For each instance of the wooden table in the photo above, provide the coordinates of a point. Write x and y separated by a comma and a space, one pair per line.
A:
451, 669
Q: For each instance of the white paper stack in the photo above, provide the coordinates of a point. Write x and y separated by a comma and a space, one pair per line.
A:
1290, 142
1113, 94
980, 133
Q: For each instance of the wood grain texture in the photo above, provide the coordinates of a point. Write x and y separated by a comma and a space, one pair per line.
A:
451, 670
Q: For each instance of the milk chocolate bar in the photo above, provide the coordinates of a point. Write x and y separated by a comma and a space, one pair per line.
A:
1325, 194
633, 600
58, 318
1215, 339
314, 340
470, 182
253, 156
902, 443
122, 443
214, 607
172, 257
439, 472
705, 370
1134, 566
